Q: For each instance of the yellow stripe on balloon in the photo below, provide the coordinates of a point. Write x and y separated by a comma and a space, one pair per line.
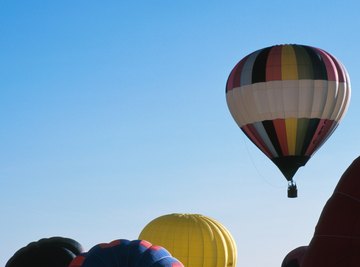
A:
289, 69
197, 239
291, 129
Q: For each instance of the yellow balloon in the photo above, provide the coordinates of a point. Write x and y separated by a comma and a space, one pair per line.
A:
194, 239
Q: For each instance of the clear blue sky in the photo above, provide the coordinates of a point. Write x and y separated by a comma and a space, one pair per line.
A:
113, 113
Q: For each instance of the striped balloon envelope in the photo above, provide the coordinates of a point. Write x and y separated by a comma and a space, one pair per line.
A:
126, 253
288, 99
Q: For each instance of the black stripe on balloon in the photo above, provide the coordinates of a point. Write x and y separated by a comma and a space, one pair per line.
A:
271, 132
259, 67
313, 124
304, 63
318, 64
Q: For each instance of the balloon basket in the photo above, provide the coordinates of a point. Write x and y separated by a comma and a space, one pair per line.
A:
292, 190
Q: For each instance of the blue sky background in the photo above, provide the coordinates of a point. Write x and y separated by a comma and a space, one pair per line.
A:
113, 113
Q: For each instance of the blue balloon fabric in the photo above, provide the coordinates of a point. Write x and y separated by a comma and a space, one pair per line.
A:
125, 253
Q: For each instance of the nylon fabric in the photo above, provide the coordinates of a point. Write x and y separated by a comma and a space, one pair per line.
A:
125, 253
197, 241
336, 239
288, 99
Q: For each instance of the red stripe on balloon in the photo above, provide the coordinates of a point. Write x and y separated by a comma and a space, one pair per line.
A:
280, 128
235, 76
329, 133
77, 261
340, 69
273, 64
145, 243
154, 247
251, 132
331, 69
111, 244
321, 133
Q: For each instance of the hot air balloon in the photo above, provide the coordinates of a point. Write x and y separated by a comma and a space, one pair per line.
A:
47, 252
294, 257
336, 240
288, 100
194, 239
125, 253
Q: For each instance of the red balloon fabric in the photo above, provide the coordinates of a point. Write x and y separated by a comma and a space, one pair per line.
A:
336, 242
294, 257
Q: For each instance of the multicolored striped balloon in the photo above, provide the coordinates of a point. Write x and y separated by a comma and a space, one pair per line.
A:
126, 253
288, 99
